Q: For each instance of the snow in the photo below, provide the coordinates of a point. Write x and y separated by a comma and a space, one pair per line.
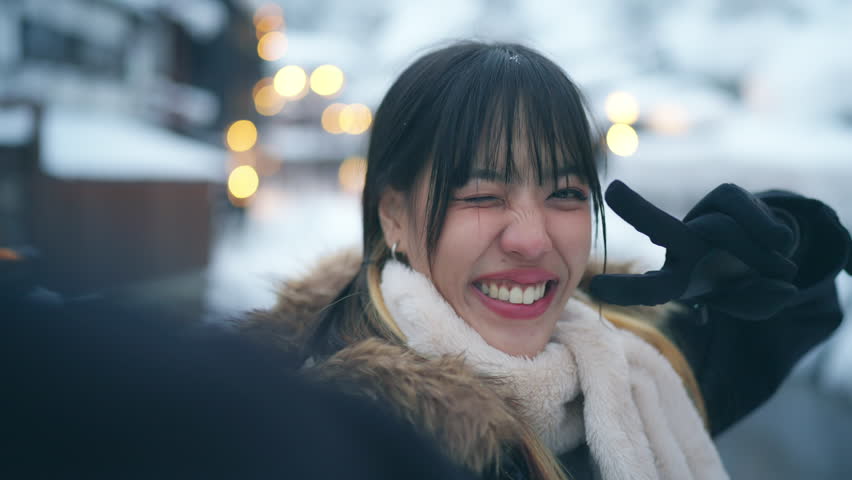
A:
702, 104
300, 143
80, 19
203, 19
78, 144
17, 125
310, 49
285, 232
413, 26
837, 359
806, 77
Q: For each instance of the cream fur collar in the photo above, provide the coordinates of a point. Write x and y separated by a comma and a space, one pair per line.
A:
592, 383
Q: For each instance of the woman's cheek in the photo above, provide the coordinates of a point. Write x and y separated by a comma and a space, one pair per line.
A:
572, 231
474, 217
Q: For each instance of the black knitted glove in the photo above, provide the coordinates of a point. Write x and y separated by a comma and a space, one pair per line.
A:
731, 252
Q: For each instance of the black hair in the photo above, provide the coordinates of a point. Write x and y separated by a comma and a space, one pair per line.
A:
465, 106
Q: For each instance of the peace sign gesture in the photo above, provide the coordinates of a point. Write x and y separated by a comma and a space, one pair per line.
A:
730, 252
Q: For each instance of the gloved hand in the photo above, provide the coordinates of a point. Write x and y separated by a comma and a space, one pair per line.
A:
825, 246
730, 252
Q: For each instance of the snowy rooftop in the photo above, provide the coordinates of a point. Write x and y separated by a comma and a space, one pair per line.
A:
92, 145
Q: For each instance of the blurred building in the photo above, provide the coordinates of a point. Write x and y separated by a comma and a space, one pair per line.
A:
111, 117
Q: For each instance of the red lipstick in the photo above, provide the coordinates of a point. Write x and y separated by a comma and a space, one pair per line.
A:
524, 276
517, 311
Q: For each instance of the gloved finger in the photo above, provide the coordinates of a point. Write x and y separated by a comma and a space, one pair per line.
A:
662, 228
754, 298
722, 231
650, 288
754, 216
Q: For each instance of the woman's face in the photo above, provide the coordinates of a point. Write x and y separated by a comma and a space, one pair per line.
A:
509, 256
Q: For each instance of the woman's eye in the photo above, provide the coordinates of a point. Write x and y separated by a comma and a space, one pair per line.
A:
481, 200
569, 194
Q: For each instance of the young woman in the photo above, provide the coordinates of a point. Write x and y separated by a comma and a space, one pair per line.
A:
468, 312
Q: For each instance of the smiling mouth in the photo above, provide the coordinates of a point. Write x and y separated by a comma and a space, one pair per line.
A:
515, 293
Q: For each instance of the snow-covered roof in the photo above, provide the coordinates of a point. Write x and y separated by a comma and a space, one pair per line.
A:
78, 144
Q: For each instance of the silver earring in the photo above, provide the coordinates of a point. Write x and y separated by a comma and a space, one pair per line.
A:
393, 250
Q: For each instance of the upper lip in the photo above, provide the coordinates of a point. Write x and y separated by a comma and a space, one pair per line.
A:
521, 275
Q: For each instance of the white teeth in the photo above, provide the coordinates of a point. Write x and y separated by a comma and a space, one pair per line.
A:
515, 294
530, 294
503, 294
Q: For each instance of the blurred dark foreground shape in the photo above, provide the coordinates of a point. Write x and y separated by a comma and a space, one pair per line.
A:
92, 389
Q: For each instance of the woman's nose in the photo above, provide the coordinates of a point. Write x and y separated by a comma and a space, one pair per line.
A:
527, 236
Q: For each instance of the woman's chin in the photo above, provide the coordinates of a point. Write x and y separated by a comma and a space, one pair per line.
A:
526, 337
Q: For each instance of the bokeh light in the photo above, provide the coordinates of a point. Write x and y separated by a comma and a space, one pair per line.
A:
352, 174
243, 182
260, 84
267, 18
272, 46
326, 80
241, 136
267, 102
355, 119
621, 107
331, 118
265, 11
669, 119
622, 140
290, 81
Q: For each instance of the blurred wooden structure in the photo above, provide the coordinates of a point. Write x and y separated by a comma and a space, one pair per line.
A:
102, 235
97, 234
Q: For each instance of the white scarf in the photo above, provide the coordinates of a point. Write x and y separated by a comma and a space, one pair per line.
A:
591, 383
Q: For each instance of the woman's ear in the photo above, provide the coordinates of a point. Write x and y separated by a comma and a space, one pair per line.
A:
393, 216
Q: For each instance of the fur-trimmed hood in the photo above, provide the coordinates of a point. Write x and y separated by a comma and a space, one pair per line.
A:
471, 415
442, 397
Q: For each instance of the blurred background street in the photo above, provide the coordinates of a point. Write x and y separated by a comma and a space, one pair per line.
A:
193, 154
